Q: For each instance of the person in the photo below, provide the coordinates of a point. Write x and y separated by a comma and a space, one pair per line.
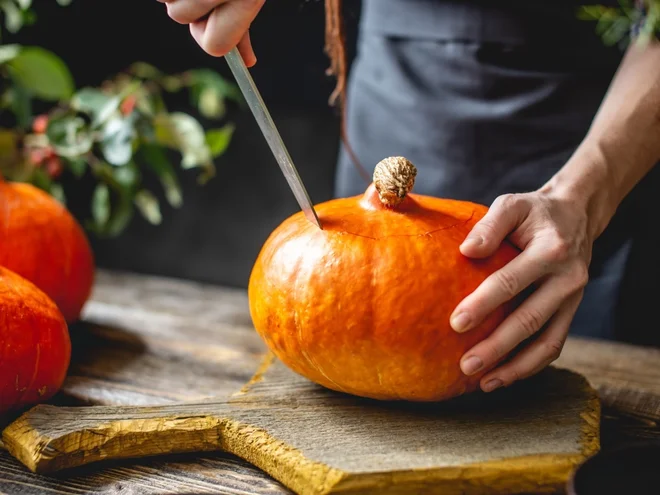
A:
521, 106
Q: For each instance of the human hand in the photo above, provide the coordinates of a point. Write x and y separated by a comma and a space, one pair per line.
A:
218, 25
554, 235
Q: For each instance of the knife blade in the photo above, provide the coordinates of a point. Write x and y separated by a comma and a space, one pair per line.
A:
270, 132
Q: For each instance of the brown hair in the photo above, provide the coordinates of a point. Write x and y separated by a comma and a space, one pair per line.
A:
335, 48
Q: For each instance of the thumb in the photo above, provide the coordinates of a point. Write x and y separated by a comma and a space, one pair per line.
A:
505, 214
246, 50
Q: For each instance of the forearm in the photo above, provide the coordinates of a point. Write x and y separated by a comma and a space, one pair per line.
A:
623, 143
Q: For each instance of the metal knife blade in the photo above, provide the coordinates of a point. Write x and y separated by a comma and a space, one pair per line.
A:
269, 130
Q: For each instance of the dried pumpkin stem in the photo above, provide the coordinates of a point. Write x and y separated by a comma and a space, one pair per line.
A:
394, 178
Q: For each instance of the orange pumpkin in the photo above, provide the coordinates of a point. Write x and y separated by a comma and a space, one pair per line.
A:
35, 349
362, 306
41, 241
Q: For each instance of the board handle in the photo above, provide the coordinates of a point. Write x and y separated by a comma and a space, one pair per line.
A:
48, 438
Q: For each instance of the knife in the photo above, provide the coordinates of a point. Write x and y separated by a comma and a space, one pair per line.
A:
269, 130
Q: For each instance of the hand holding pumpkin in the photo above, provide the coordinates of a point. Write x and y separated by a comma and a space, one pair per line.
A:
218, 25
553, 233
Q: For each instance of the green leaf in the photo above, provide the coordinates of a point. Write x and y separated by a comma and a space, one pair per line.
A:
211, 104
41, 179
145, 103
90, 100
145, 70
616, 31
69, 136
184, 133
172, 83
42, 73
64, 3
101, 205
9, 147
77, 166
148, 206
95, 103
207, 78
110, 219
121, 216
29, 17
57, 191
218, 139
155, 158
591, 12
117, 140
8, 52
21, 104
13, 16
126, 177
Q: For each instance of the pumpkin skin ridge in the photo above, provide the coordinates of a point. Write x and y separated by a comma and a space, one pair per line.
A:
299, 329
422, 234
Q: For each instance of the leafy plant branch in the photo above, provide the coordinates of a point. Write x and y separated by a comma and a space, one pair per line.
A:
632, 20
116, 133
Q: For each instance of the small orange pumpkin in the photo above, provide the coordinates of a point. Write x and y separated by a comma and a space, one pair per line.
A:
35, 348
362, 306
41, 241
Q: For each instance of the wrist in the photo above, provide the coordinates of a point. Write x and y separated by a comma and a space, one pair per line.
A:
587, 181
622, 144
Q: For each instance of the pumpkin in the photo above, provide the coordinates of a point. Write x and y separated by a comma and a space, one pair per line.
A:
35, 348
41, 241
362, 305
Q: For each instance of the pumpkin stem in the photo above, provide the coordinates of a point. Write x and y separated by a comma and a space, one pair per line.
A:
394, 178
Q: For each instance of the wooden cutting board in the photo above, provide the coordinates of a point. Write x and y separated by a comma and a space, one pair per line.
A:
524, 439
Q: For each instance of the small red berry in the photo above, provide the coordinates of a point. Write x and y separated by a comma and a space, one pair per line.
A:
40, 124
54, 167
37, 156
128, 105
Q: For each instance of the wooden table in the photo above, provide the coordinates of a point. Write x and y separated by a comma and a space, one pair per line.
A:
148, 340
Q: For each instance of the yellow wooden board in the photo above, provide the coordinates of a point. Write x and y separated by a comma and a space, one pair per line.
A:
524, 439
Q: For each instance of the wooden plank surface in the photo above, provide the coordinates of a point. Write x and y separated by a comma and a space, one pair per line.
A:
315, 441
134, 325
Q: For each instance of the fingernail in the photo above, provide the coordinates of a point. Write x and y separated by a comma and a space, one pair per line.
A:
493, 384
460, 322
472, 242
471, 365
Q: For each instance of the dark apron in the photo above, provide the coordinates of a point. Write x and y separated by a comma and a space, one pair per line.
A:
488, 98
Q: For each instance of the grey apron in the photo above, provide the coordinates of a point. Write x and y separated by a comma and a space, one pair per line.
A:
488, 98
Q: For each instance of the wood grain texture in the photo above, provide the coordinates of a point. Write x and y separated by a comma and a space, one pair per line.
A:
155, 341
209, 474
315, 441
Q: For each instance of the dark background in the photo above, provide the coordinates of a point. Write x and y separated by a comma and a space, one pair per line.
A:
216, 235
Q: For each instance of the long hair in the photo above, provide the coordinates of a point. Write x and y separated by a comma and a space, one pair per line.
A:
335, 48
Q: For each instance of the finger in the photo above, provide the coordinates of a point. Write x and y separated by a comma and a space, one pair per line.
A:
539, 354
500, 287
188, 11
246, 50
520, 325
505, 215
226, 26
